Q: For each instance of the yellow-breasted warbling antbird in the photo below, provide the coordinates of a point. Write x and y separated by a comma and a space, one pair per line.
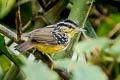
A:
50, 39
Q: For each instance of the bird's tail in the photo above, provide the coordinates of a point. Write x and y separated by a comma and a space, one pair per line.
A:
25, 46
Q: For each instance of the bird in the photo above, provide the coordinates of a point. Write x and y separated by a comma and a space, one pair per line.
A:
50, 39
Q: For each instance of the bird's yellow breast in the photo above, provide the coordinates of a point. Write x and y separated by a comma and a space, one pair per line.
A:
49, 48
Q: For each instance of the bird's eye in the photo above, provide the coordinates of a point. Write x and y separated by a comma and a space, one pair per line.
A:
71, 27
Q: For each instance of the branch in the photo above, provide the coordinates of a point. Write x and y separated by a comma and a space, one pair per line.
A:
10, 34
62, 73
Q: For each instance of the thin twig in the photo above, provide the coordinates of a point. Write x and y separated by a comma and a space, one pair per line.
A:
114, 30
89, 9
18, 22
27, 25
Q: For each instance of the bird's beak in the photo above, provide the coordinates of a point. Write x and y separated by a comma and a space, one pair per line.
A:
80, 29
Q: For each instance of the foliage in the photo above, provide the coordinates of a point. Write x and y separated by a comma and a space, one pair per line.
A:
100, 51
110, 22
8, 53
41, 71
81, 70
5, 7
4, 63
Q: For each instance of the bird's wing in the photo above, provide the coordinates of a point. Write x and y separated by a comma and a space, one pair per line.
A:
43, 35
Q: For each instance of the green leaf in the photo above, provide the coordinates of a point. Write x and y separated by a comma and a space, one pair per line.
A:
88, 45
115, 48
82, 71
90, 32
8, 53
88, 72
4, 63
38, 71
5, 7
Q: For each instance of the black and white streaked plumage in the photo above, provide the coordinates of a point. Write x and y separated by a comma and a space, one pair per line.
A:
61, 38
50, 37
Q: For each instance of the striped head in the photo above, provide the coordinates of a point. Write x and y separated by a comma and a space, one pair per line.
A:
69, 27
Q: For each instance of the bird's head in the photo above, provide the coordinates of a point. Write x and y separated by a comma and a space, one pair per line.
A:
69, 27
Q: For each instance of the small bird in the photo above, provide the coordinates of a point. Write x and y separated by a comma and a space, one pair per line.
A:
50, 39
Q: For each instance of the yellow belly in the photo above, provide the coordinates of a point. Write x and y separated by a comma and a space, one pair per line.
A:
49, 48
